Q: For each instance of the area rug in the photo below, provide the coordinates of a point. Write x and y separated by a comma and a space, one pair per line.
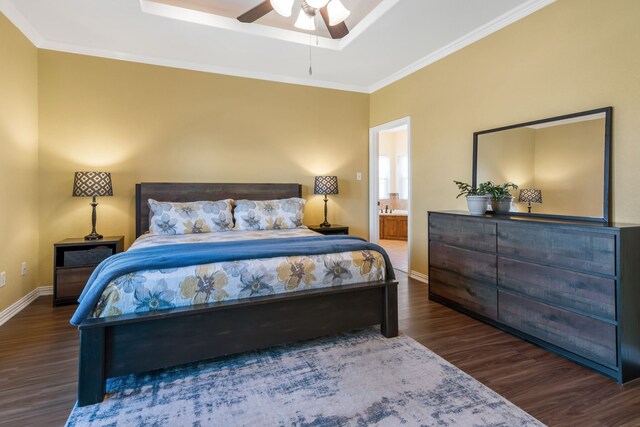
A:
352, 379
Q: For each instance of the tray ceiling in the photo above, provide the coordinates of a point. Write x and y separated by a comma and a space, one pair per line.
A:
388, 39
233, 8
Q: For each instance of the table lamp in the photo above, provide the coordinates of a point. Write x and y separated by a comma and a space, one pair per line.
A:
326, 185
92, 184
530, 195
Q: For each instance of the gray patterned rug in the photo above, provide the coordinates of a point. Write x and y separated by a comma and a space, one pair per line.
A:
353, 379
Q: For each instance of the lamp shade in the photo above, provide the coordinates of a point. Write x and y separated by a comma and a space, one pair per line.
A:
283, 7
90, 184
530, 195
337, 12
305, 22
326, 185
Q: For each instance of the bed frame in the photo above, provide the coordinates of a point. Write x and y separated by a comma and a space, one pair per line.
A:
134, 343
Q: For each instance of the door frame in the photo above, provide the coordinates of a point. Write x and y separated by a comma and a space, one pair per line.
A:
374, 226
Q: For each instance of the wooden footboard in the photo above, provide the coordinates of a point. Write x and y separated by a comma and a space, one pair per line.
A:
111, 347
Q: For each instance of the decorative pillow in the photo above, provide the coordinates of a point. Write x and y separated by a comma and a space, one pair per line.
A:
268, 214
192, 217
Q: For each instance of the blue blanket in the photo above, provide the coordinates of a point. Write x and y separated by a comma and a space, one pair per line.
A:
186, 254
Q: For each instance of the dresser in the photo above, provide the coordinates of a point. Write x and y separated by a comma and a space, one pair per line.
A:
570, 287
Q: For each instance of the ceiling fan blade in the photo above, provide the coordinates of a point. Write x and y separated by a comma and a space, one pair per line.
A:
337, 31
257, 12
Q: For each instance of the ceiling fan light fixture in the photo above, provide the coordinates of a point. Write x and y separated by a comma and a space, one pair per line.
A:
305, 22
337, 12
283, 7
317, 4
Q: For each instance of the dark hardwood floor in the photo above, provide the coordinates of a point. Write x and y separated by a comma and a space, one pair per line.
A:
38, 362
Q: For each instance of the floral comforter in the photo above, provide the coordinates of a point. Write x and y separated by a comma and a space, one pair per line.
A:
184, 286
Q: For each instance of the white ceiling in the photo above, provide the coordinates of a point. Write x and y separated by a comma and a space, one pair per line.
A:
386, 43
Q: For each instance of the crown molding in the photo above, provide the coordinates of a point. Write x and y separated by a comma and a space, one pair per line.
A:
469, 38
8, 9
194, 66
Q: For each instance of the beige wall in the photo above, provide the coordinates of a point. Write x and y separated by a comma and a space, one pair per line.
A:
148, 123
569, 168
18, 162
571, 56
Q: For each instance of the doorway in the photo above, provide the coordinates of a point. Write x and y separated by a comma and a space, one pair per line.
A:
390, 190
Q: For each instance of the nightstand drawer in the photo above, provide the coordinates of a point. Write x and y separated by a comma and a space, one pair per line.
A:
74, 260
86, 257
71, 281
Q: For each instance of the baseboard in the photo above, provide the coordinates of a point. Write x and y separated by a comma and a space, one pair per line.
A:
419, 276
17, 306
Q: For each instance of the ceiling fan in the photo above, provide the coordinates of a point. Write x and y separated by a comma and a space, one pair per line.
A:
333, 14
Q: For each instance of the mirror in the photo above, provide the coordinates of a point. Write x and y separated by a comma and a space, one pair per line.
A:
561, 165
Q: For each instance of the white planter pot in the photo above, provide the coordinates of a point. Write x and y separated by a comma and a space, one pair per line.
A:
477, 204
503, 205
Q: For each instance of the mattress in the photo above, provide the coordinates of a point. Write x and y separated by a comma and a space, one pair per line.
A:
150, 290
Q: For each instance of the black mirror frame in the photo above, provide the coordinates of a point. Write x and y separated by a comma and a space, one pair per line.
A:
606, 205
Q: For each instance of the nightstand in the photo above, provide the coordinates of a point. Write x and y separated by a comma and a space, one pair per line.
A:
333, 229
73, 262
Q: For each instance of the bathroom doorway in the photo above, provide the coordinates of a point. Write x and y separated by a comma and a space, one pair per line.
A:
390, 190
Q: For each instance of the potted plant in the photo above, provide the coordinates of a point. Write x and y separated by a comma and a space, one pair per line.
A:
501, 199
477, 197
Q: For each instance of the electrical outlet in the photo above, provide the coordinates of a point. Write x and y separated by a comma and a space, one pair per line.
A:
23, 271
3, 279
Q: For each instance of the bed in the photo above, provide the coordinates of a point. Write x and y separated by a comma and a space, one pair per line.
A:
135, 342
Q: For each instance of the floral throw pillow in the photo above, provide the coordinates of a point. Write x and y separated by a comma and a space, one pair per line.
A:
268, 214
192, 217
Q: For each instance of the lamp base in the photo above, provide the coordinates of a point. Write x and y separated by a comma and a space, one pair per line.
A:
93, 235
325, 223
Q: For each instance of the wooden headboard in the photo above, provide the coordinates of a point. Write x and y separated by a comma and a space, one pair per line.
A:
185, 192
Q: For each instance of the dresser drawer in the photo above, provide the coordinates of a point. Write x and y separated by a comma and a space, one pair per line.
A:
582, 335
578, 249
70, 281
588, 294
465, 277
460, 231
